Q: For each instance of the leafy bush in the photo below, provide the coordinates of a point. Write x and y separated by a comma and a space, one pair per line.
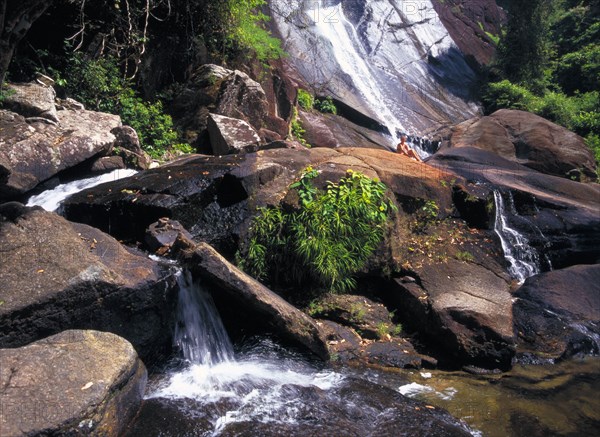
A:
326, 105
99, 85
505, 94
305, 99
326, 241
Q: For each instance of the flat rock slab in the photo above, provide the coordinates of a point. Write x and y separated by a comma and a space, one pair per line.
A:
57, 275
73, 383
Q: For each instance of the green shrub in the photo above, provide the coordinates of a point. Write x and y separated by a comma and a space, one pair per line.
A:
323, 243
505, 94
305, 99
99, 85
326, 105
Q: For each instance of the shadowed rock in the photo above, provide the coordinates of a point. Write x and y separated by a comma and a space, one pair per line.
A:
73, 383
58, 275
557, 314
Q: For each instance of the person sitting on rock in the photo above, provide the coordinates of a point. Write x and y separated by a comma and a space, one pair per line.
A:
403, 148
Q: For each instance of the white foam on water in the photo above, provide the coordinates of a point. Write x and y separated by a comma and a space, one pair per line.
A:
50, 200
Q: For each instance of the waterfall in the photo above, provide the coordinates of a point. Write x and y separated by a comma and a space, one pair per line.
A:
389, 59
50, 200
211, 373
524, 260
199, 331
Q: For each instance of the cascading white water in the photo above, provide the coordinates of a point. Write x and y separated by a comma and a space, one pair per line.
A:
351, 57
524, 260
50, 200
199, 332
252, 382
392, 60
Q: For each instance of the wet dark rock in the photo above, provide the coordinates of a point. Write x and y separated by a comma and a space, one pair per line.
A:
163, 233
356, 408
73, 383
214, 197
58, 275
559, 217
527, 139
251, 297
462, 308
557, 313
231, 135
31, 153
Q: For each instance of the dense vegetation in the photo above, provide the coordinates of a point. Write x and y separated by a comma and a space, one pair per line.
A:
104, 55
324, 242
549, 63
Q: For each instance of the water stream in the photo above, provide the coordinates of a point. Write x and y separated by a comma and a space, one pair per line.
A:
523, 259
50, 200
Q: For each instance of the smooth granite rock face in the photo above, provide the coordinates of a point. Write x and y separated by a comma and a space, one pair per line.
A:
73, 383
231, 135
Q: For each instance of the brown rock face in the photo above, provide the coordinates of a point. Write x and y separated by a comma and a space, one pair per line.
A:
57, 275
527, 139
463, 308
73, 383
468, 21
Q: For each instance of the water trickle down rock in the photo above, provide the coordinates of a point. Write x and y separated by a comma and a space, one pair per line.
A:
391, 60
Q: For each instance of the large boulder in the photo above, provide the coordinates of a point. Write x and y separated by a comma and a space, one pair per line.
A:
527, 139
252, 299
58, 275
32, 152
559, 217
31, 100
463, 308
557, 313
231, 135
232, 93
73, 383
214, 197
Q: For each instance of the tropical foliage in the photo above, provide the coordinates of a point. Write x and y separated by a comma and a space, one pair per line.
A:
323, 243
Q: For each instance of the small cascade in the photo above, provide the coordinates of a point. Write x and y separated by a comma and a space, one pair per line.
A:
199, 332
252, 382
50, 200
524, 260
